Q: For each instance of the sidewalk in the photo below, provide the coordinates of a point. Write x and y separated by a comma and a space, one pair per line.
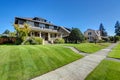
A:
79, 69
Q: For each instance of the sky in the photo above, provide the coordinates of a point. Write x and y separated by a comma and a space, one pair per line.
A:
82, 14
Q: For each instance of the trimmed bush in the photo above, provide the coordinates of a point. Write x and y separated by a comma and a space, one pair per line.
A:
59, 41
101, 41
38, 40
27, 41
32, 41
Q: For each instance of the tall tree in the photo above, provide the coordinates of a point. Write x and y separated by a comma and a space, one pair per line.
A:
117, 28
102, 30
76, 36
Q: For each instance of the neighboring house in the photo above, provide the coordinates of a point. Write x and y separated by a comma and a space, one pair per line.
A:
92, 35
42, 28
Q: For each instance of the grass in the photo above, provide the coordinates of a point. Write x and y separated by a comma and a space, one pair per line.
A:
89, 47
115, 53
26, 62
107, 70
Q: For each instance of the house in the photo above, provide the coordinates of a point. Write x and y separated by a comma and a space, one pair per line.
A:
92, 35
42, 28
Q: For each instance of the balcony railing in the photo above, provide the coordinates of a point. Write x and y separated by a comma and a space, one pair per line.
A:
41, 29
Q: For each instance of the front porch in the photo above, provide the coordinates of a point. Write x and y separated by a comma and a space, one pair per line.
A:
47, 36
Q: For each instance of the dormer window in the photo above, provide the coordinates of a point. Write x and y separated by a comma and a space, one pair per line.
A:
40, 19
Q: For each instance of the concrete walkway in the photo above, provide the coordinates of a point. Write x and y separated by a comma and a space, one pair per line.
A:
76, 50
79, 69
113, 59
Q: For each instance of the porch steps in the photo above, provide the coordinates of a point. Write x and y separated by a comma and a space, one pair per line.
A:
46, 42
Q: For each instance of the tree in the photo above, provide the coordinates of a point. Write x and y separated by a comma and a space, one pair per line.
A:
116, 38
102, 30
22, 31
76, 36
117, 28
6, 31
111, 38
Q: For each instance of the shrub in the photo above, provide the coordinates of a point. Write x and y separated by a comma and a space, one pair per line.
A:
111, 38
32, 41
59, 41
18, 41
105, 39
116, 38
101, 41
27, 43
38, 40
8, 40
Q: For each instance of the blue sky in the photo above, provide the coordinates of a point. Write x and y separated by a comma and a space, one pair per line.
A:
82, 14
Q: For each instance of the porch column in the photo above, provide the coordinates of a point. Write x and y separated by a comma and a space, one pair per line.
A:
48, 36
40, 34
60, 35
56, 36
31, 34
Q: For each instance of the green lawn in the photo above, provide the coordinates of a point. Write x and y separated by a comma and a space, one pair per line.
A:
115, 53
107, 70
28, 61
89, 47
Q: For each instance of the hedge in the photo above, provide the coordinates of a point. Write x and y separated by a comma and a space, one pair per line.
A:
5, 40
59, 41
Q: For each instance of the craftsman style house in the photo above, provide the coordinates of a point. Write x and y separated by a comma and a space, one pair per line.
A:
92, 35
42, 28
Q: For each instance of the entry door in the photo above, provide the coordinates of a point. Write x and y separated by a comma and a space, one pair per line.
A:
46, 36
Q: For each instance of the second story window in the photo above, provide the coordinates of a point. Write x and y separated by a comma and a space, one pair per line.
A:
47, 26
51, 27
36, 24
89, 33
30, 23
55, 27
42, 25
21, 22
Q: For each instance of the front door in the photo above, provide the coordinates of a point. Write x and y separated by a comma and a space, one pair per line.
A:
46, 36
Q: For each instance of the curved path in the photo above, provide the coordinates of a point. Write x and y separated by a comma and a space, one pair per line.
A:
79, 69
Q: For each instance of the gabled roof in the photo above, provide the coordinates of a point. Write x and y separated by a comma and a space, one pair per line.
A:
95, 31
65, 29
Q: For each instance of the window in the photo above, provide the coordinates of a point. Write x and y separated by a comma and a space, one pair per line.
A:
30, 23
36, 24
89, 33
51, 27
21, 21
47, 26
41, 25
55, 27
